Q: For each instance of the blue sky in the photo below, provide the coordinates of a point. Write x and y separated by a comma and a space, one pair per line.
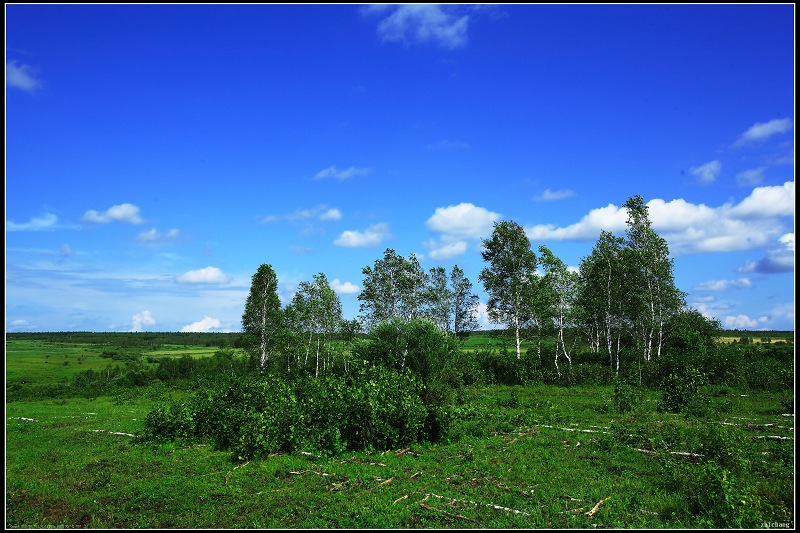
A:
156, 155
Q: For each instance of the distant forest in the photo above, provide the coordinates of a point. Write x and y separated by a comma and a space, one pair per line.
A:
152, 340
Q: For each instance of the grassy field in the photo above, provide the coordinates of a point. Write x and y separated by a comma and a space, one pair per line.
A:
516, 457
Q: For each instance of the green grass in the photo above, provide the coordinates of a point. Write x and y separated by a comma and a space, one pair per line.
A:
516, 457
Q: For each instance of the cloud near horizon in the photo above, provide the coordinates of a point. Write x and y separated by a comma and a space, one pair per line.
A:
691, 228
145, 318
201, 326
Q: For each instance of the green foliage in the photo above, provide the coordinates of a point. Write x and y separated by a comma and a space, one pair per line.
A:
682, 391
625, 398
260, 415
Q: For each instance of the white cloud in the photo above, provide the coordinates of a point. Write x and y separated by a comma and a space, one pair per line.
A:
333, 172
724, 284
331, 214
344, 288
442, 251
153, 235
464, 220
742, 322
692, 228
763, 202
422, 23
44, 222
201, 326
708, 172
764, 130
145, 318
211, 275
610, 218
321, 212
20, 76
549, 195
118, 213
750, 177
371, 236
778, 259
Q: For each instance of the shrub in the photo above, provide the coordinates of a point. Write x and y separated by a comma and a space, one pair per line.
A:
682, 392
625, 398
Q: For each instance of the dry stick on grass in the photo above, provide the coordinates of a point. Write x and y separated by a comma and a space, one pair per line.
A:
596, 507
452, 515
401, 498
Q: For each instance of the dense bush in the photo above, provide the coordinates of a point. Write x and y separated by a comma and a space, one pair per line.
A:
259, 415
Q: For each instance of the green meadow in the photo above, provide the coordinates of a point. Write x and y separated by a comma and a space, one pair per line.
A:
533, 455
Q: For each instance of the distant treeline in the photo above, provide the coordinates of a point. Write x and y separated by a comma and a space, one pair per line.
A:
153, 340
150, 340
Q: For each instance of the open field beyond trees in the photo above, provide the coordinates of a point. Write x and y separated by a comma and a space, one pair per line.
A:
582, 450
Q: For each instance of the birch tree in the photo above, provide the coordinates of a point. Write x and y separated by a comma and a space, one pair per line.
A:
465, 302
656, 298
510, 278
262, 315
393, 288
600, 296
561, 284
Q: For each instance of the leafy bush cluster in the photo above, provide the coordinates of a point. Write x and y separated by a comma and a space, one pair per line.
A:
373, 408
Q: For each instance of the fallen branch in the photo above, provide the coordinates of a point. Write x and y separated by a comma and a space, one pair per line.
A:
400, 499
596, 507
452, 515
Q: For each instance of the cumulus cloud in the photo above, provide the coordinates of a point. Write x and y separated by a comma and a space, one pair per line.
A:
44, 222
764, 130
21, 76
610, 218
345, 174
321, 212
708, 172
145, 318
201, 326
743, 322
692, 228
464, 220
344, 288
209, 275
118, 213
724, 284
422, 23
763, 202
371, 236
457, 224
779, 258
550, 195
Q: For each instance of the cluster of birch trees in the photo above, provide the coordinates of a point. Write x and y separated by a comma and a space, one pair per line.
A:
306, 334
622, 295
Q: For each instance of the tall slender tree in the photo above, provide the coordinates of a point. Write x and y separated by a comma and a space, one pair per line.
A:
465, 302
651, 270
262, 313
561, 284
510, 278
